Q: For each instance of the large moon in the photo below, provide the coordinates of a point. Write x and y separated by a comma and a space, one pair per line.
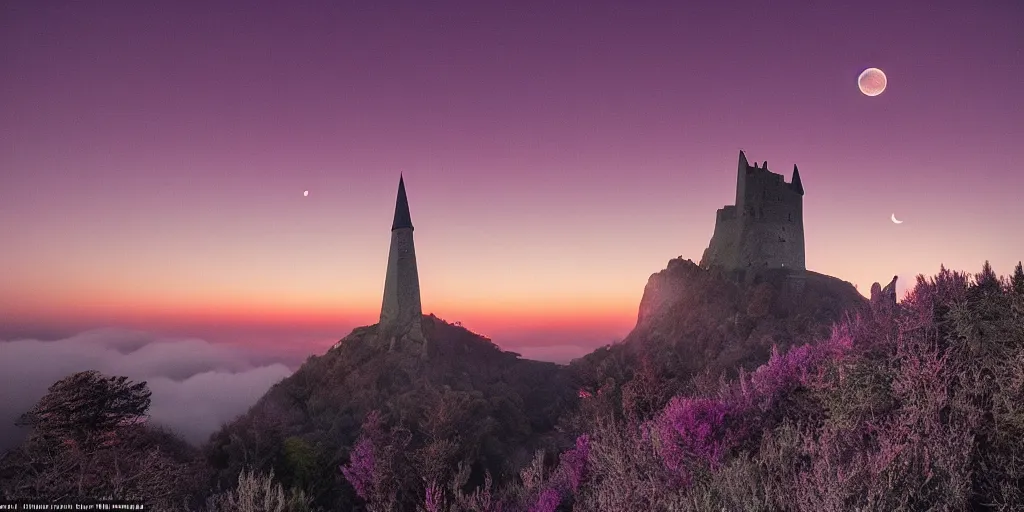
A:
871, 82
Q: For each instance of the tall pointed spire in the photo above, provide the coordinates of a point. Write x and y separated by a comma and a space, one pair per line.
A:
797, 184
402, 217
401, 313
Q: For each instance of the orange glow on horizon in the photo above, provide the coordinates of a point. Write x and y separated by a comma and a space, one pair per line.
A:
480, 317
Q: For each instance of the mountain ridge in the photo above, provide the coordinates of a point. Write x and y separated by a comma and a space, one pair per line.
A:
460, 398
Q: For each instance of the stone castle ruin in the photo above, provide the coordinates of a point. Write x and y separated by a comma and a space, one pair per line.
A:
764, 230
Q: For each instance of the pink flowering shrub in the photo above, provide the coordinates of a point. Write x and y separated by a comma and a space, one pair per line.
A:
376, 463
573, 463
784, 372
547, 502
434, 499
360, 471
693, 431
548, 490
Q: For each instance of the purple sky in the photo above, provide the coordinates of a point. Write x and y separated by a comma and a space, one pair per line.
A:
153, 155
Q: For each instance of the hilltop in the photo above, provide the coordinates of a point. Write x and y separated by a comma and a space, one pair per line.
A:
467, 402
693, 319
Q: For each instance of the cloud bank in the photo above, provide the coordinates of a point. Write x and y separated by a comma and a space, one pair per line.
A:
196, 385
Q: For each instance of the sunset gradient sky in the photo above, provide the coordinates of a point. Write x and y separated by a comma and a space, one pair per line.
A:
153, 155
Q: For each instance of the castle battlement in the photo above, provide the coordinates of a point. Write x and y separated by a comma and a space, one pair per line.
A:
764, 229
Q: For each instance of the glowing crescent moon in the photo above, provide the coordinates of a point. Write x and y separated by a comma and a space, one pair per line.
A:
894, 221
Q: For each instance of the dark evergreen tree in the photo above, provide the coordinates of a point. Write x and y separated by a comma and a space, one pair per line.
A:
987, 279
1018, 279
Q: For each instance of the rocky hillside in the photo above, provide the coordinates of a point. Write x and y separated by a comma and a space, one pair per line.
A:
467, 401
693, 319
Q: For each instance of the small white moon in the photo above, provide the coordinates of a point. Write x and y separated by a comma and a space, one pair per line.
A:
894, 221
872, 82
305, 193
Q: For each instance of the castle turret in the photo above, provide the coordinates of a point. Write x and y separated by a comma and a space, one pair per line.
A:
797, 184
741, 179
401, 312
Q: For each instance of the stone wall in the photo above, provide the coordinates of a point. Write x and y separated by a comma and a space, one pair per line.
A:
723, 248
766, 244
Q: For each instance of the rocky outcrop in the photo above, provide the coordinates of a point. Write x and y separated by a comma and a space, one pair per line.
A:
666, 288
705, 319
884, 298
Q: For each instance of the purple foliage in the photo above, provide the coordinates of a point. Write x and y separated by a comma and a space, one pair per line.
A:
432, 501
700, 431
693, 429
574, 462
784, 371
360, 470
547, 502
779, 374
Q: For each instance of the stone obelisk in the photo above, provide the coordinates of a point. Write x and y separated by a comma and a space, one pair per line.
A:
401, 313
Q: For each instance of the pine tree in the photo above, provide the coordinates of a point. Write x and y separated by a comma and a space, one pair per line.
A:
987, 279
1018, 279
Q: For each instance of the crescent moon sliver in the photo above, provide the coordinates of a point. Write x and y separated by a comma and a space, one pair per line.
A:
894, 221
